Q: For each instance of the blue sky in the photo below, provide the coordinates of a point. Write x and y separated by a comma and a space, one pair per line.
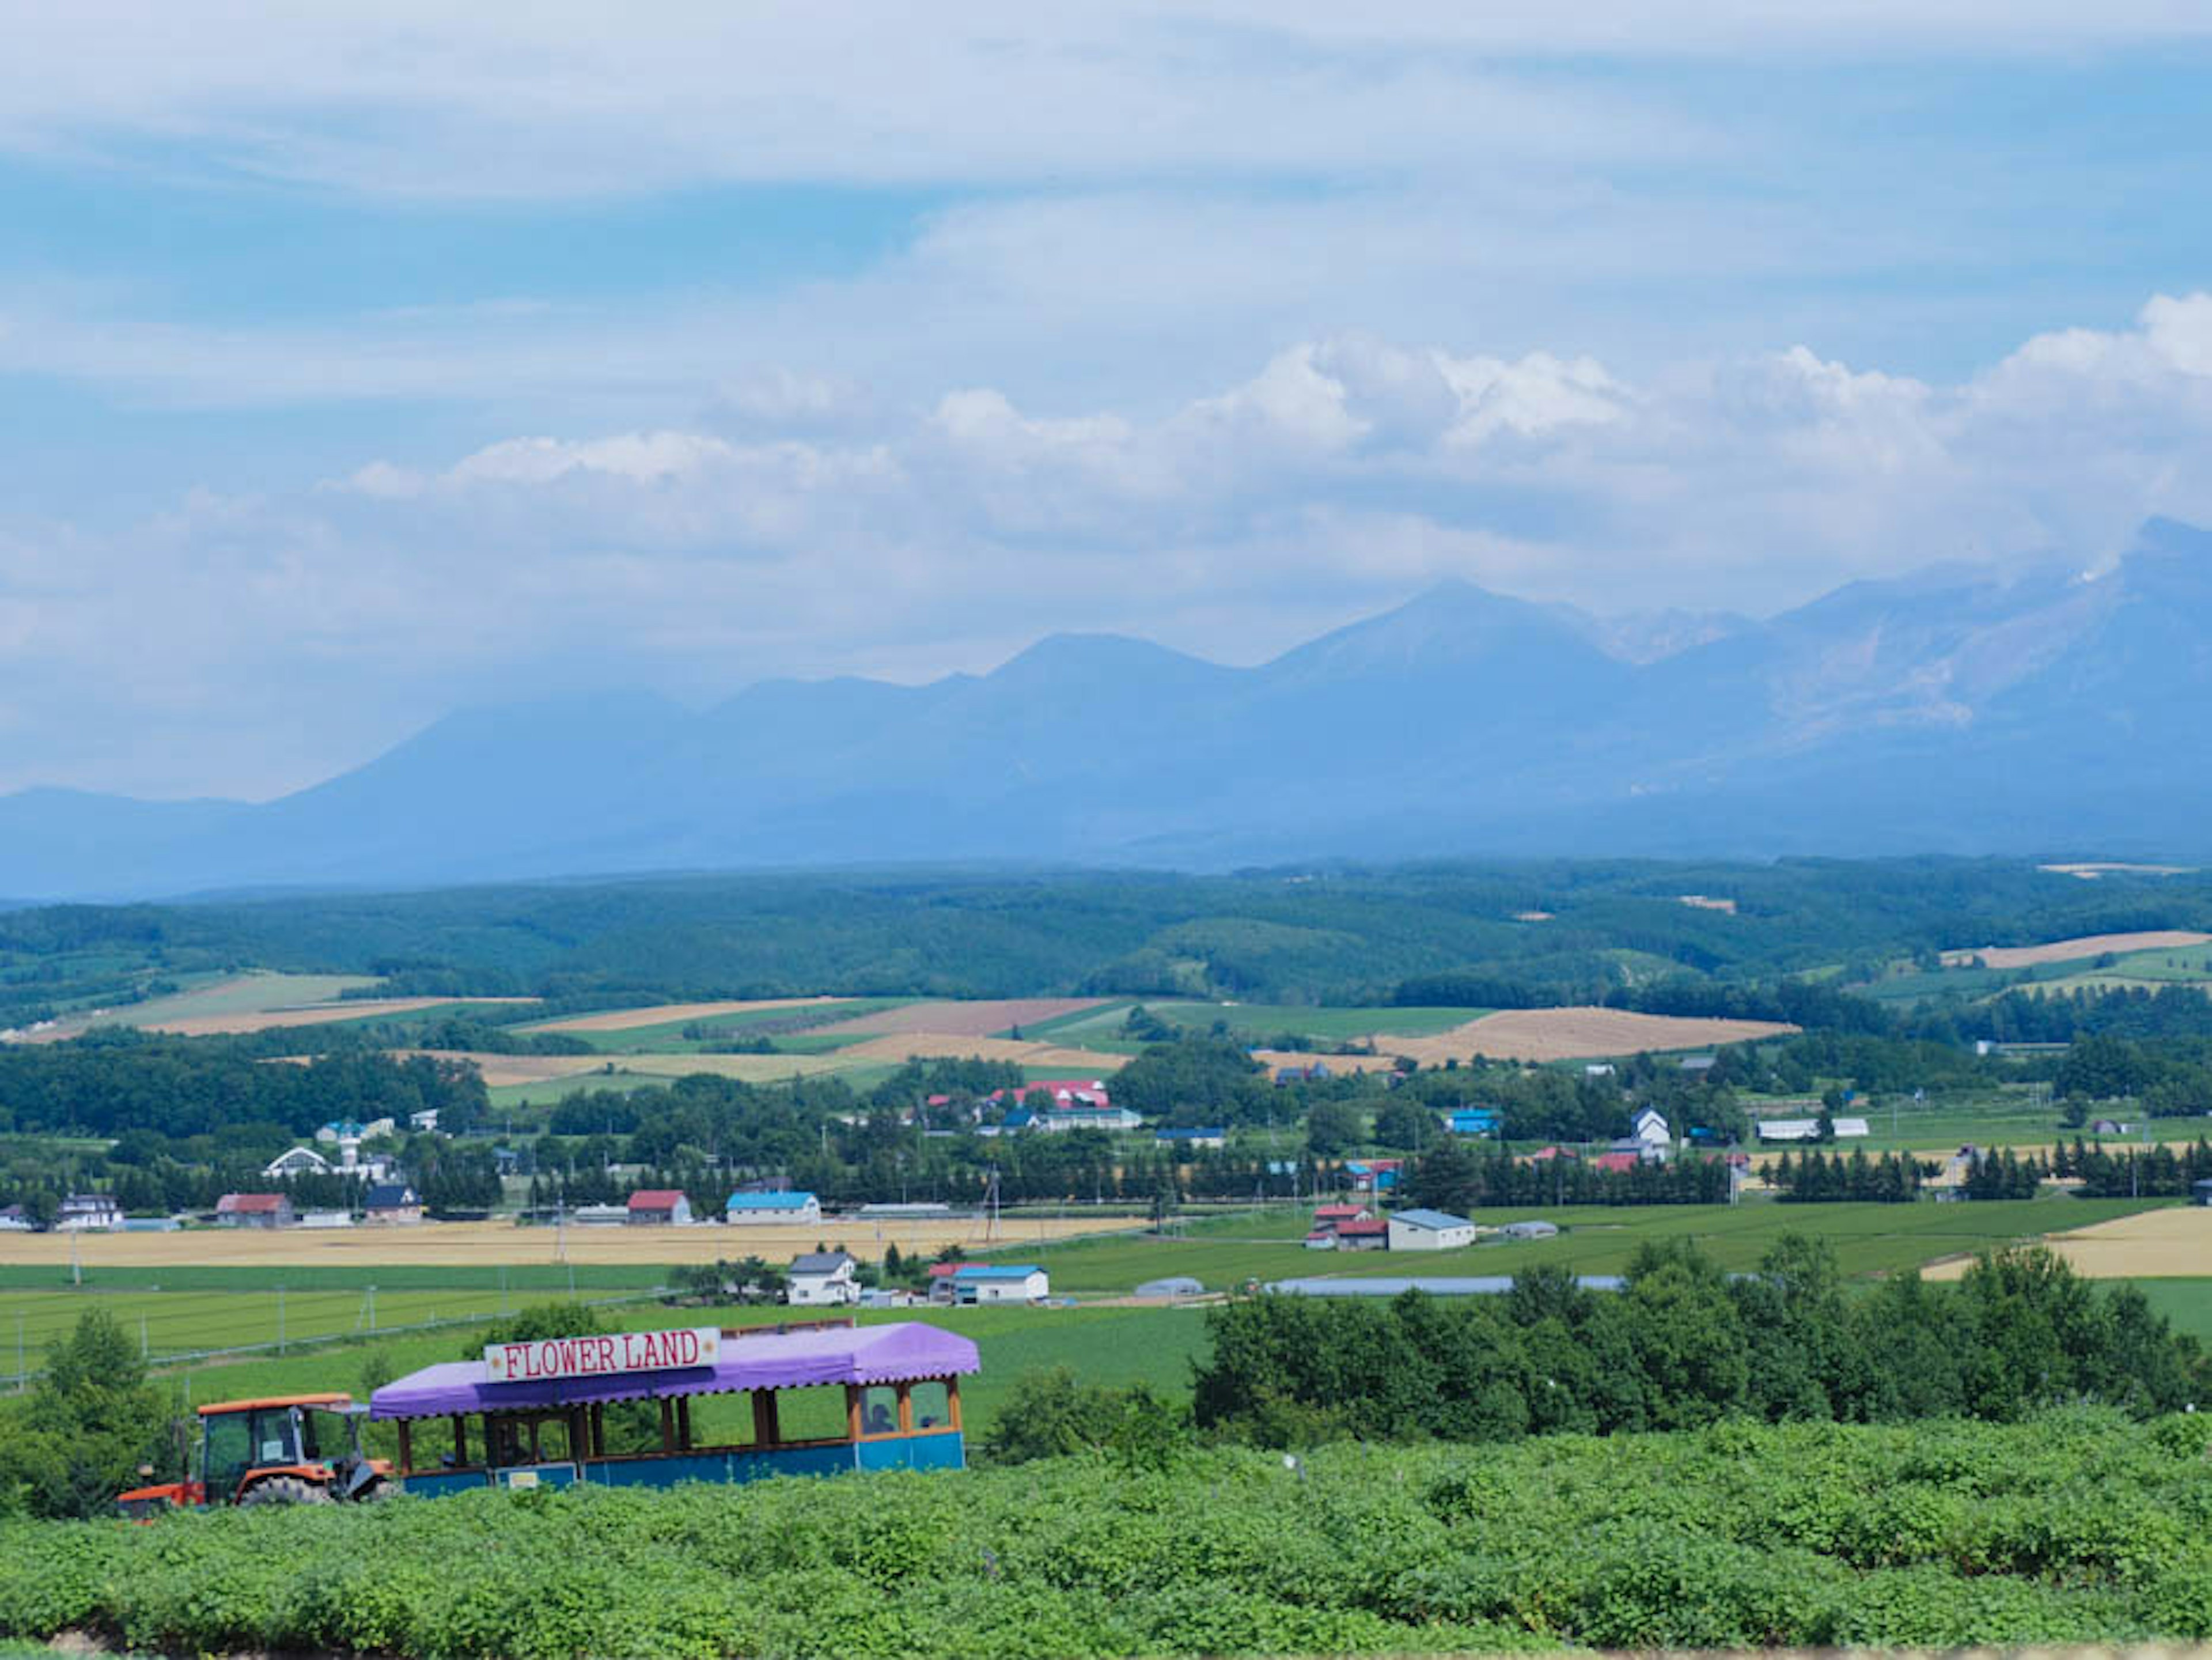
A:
360, 363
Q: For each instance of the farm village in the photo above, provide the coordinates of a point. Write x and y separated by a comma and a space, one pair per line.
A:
311, 1243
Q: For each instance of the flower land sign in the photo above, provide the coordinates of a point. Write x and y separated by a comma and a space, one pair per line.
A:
597, 1357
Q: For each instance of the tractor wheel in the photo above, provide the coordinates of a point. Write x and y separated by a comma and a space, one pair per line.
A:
285, 1490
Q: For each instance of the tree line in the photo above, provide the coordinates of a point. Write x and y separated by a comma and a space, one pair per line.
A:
1685, 1344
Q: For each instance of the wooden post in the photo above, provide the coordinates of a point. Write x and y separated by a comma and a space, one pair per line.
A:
952, 1400
579, 1445
767, 1432
906, 1408
667, 1425
852, 1412
684, 1422
406, 1448
599, 1430
460, 1442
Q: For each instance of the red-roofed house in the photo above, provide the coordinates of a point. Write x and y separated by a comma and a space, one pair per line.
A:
1372, 1234
1326, 1214
658, 1206
1615, 1162
1543, 1155
254, 1210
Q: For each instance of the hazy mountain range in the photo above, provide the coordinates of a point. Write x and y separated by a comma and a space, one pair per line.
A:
1948, 712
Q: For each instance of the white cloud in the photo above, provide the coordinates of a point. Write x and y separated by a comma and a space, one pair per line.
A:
248, 642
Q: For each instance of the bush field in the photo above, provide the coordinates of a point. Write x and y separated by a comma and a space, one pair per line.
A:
2077, 1526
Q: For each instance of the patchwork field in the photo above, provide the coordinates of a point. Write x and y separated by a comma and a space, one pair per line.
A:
673, 1015
986, 1018
2068, 950
1572, 1034
747, 1068
2168, 1243
465, 1245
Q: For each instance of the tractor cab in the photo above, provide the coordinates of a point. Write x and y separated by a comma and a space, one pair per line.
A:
292, 1450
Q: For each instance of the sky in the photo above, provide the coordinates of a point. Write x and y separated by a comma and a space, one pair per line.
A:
359, 362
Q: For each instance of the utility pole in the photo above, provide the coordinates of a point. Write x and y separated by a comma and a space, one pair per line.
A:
371, 1308
280, 1319
145, 1349
77, 1269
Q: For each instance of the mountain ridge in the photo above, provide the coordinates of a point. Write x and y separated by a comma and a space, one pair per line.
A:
1954, 709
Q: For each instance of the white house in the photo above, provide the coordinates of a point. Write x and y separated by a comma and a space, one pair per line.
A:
301, 1161
748, 1207
823, 1278
978, 1282
1429, 1229
1650, 1127
88, 1210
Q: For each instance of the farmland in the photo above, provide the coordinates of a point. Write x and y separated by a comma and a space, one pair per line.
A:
2081, 1527
2077, 950
2154, 1244
1574, 1034
1868, 1239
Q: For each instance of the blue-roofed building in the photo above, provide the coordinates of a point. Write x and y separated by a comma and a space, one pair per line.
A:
1472, 1121
1375, 1176
1015, 1282
772, 1207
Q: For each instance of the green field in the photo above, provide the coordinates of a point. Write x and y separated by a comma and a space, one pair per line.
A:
669, 1039
2187, 1302
1225, 1252
253, 992
546, 1093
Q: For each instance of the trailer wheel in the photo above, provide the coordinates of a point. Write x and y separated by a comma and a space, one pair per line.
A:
285, 1490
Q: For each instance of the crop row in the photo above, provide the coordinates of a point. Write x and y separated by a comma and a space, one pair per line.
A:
2077, 1526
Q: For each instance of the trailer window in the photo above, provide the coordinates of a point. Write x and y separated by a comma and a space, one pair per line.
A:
879, 1410
932, 1405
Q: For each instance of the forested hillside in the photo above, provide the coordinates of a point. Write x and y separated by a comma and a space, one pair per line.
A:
1491, 935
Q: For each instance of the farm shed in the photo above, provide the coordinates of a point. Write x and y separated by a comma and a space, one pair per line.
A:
2200, 1193
393, 1204
748, 1207
1021, 1282
1429, 1229
1472, 1121
1535, 1228
659, 1207
1371, 1234
822, 1279
1197, 1138
254, 1210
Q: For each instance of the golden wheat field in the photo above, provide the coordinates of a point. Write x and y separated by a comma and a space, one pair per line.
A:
2156, 1244
670, 1014
454, 1244
2068, 950
1573, 1034
500, 1070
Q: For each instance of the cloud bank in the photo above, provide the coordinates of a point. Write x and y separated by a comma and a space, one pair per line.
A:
251, 643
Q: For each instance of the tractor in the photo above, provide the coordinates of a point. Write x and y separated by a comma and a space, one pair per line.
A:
291, 1450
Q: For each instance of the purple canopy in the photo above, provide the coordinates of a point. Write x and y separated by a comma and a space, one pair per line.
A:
773, 1360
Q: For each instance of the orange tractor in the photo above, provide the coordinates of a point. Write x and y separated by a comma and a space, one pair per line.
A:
291, 1450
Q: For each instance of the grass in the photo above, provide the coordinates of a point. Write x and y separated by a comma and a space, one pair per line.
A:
2187, 1302
253, 992
668, 1038
1593, 1239
545, 1092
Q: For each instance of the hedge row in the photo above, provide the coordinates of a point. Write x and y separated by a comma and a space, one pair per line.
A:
2077, 1526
